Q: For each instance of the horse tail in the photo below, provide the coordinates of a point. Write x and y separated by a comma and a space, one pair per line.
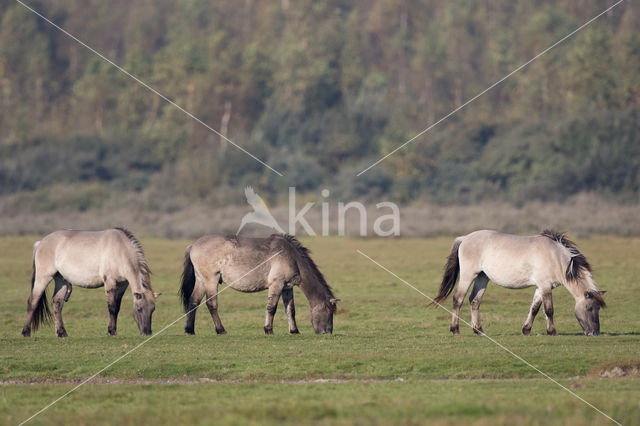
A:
41, 314
578, 267
143, 266
451, 271
188, 281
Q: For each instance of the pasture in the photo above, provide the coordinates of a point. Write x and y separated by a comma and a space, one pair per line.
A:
390, 360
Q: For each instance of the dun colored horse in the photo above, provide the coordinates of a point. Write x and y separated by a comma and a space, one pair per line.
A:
112, 258
277, 264
545, 261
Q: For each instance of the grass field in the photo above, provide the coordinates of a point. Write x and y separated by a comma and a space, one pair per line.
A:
390, 360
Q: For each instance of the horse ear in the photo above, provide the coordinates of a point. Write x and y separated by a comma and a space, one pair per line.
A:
602, 292
156, 295
334, 301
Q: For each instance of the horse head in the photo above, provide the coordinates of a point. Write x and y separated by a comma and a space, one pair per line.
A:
321, 315
587, 311
143, 306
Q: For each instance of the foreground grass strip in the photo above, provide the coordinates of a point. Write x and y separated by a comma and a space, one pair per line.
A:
412, 402
497, 343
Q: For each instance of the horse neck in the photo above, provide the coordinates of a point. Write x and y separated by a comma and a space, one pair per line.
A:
145, 281
141, 281
312, 283
315, 291
143, 274
578, 287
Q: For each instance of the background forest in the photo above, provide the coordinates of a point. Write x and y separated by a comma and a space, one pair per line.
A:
319, 90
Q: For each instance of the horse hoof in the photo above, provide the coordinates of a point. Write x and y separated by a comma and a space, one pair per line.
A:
526, 331
221, 331
455, 330
26, 332
552, 332
294, 331
268, 331
478, 331
62, 333
190, 331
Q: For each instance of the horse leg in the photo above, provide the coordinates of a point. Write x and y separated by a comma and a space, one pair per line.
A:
115, 292
290, 309
547, 305
39, 286
275, 290
479, 286
466, 278
60, 295
194, 302
212, 304
533, 311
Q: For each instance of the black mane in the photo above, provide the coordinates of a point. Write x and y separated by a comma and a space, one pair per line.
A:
142, 259
578, 262
305, 255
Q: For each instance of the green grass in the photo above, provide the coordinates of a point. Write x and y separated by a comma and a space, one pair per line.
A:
419, 402
383, 332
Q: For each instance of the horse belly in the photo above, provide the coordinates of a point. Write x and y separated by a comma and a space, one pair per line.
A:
514, 276
81, 277
81, 271
239, 279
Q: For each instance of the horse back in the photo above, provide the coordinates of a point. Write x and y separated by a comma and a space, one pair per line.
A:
86, 258
513, 261
242, 263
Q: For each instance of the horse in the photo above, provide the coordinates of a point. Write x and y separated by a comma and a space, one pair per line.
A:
276, 263
545, 261
112, 258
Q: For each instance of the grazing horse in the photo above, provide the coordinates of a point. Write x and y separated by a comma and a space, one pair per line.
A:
112, 258
511, 261
277, 264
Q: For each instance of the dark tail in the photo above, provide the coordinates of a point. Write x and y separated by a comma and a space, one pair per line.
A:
451, 270
188, 280
41, 314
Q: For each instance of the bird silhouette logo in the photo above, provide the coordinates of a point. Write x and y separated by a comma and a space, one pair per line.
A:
260, 214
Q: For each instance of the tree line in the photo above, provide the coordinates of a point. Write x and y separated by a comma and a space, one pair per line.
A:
320, 90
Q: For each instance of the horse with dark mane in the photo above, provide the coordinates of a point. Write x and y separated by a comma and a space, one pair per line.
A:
277, 264
112, 258
545, 261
